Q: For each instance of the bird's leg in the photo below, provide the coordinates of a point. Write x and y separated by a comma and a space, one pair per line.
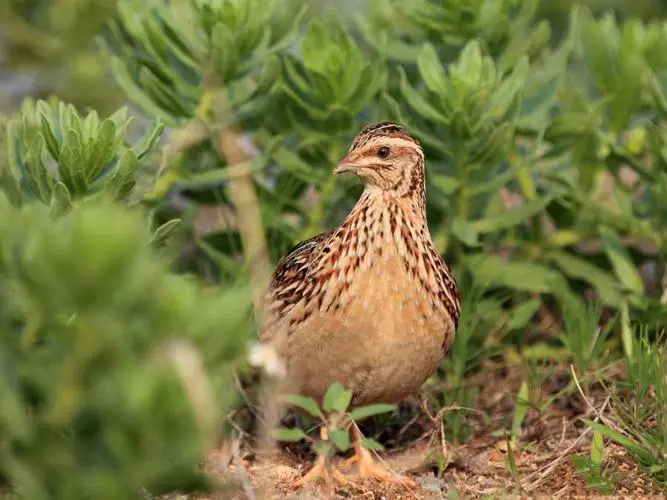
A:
367, 466
321, 470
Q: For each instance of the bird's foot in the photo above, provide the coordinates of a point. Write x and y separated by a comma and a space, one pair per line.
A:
327, 473
369, 468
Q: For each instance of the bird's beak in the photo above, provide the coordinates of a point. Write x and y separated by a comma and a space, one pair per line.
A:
345, 165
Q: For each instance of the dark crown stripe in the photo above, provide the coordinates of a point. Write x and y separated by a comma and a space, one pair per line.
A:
381, 129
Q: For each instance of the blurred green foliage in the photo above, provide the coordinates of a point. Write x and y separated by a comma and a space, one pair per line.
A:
112, 370
47, 47
546, 139
58, 157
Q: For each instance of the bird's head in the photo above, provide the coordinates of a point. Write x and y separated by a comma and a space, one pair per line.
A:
385, 156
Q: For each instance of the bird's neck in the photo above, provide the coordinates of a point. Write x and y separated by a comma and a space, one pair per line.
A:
390, 214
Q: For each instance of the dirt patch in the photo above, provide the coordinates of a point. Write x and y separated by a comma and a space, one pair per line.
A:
479, 468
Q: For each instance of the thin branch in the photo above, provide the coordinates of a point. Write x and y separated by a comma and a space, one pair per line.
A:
542, 474
241, 472
244, 198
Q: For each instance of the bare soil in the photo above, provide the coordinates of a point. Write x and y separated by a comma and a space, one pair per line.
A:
477, 469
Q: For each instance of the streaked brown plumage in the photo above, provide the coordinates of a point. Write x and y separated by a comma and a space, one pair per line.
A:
369, 304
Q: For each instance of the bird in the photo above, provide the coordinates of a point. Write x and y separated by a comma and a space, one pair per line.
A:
369, 304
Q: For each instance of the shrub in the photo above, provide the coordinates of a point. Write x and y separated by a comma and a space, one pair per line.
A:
112, 370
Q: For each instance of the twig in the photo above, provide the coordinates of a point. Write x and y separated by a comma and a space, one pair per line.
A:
243, 476
244, 395
244, 199
443, 443
581, 391
563, 433
544, 472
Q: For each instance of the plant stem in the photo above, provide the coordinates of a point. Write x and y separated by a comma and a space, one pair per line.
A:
326, 191
243, 196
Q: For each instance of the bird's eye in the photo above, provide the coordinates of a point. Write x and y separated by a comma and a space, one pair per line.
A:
383, 152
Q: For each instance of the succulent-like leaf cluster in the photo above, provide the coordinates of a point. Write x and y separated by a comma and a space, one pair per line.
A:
329, 82
167, 55
58, 157
467, 112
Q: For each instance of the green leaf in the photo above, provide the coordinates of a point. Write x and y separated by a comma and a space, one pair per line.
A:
418, 103
224, 52
14, 137
579, 268
431, 70
511, 218
60, 199
137, 95
470, 62
537, 98
517, 275
122, 180
10, 186
597, 448
102, 151
165, 95
72, 163
90, 125
52, 144
150, 139
621, 261
502, 99
165, 230
627, 335
370, 410
371, 444
445, 183
372, 80
37, 177
522, 313
599, 46
305, 403
493, 144
615, 436
340, 439
520, 411
289, 435
337, 398
463, 230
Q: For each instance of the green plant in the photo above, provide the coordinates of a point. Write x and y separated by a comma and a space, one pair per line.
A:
48, 49
112, 369
58, 157
591, 467
583, 335
335, 417
639, 416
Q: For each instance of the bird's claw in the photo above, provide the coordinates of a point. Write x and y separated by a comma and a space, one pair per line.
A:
321, 470
369, 468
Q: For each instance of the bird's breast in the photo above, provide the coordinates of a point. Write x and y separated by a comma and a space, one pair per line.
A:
377, 327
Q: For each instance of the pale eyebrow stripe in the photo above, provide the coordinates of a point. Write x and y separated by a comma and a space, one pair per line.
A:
395, 142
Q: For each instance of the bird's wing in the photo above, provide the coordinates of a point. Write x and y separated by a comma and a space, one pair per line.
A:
290, 279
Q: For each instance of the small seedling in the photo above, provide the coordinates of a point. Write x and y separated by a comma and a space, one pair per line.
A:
335, 417
510, 462
591, 467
